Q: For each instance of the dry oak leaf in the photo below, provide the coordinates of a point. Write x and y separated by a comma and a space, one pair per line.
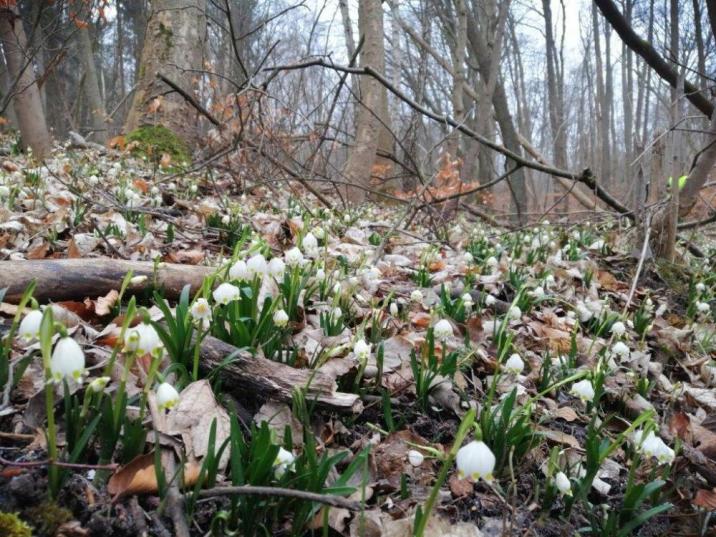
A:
139, 476
705, 498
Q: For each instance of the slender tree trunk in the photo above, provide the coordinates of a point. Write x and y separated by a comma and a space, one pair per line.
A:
27, 101
95, 105
173, 46
458, 54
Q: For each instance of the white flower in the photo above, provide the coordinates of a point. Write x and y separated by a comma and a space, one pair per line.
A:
393, 309
201, 311
320, 275
276, 268
93, 180
319, 233
293, 257
475, 460
239, 271
30, 325
490, 300
284, 461
193, 189
618, 329
443, 329
491, 262
415, 458
701, 287
68, 361
514, 313
167, 396
256, 265
583, 389
621, 349
468, 257
538, 292
585, 314
226, 220
226, 293
653, 446
310, 244
144, 339
336, 313
99, 384
703, 307
515, 364
416, 296
280, 318
561, 481
361, 349
467, 301
138, 280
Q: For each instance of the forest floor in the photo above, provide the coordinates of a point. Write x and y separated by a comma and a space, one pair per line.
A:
584, 400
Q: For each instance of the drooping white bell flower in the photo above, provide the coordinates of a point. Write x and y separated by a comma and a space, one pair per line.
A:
167, 396
361, 349
393, 309
583, 390
701, 287
310, 244
415, 458
67, 361
29, 328
514, 313
621, 349
239, 271
443, 329
515, 364
467, 301
284, 461
201, 312
226, 293
491, 262
280, 318
561, 481
416, 296
256, 266
476, 461
490, 300
276, 268
653, 446
294, 257
468, 258
99, 384
538, 292
703, 308
143, 339
585, 314
320, 275
618, 329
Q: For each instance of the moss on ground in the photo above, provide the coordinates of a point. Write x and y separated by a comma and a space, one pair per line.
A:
153, 141
12, 526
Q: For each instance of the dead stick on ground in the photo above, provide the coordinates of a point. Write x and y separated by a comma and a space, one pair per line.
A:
248, 490
642, 256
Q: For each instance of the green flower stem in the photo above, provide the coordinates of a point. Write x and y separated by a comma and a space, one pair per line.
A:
46, 332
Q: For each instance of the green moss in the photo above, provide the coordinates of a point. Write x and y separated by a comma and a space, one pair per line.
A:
155, 140
12, 526
47, 517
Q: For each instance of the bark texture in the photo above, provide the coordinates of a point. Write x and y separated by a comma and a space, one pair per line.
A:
173, 46
95, 104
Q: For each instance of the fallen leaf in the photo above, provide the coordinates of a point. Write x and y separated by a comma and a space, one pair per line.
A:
39, 251
140, 477
73, 252
117, 142
680, 425
459, 488
104, 304
566, 413
166, 160
705, 498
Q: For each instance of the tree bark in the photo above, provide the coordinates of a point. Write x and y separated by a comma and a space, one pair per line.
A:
27, 100
173, 46
91, 85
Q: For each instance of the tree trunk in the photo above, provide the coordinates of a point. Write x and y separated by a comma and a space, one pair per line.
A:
92, 94
27, 101
458, 62
173, 46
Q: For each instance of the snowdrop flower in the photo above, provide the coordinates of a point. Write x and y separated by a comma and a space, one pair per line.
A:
337, 312
618, 329
276, 268
294, 257
467, 301
561, 481
393, 309
416, 296
653, 446
310, 244
514, 313
468, 258
93, 180
443, 329
138, 280
280, 318
549, 280
319, 233
538, 292
703, 308
490, 300
701, 287
67, 361
475, 460
284, 461
143, 339
201, 312
583, 390
226, 220
661, 310
30, 326
226, 293
585, 314
167, 396
99, 384
415, 458
621, 349
256, 265
515, 364
239, 271
491, 262
361, 349
320, 275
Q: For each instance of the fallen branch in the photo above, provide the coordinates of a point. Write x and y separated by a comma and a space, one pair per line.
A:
67, 279
249, 490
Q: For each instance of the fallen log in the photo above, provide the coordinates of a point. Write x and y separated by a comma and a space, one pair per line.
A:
265, 378
75, 279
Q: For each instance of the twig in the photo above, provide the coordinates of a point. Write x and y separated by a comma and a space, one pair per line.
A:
47, 462
249, 490
642, 256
